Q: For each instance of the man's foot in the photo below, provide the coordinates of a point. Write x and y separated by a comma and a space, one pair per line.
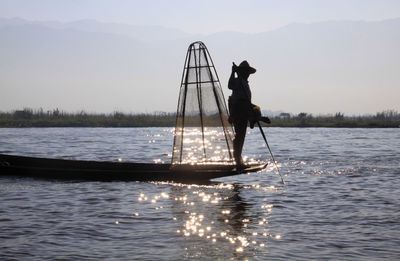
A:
240, 164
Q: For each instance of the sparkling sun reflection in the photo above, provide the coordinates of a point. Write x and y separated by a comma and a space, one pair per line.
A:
215, 215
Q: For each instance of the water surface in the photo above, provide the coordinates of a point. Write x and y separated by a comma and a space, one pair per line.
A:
341, 202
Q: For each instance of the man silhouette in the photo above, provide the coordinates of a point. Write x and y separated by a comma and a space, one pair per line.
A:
240, 107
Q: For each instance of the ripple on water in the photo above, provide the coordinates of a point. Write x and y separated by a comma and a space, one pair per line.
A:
341, 202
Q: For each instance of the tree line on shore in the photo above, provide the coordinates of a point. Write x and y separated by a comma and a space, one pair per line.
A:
56, 118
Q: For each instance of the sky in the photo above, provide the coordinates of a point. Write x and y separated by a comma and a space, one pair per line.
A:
200, 17
205, 16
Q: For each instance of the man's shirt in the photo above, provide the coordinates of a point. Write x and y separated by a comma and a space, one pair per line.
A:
240, 89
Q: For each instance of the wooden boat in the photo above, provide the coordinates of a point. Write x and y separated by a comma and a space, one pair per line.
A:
118, 171
202, 147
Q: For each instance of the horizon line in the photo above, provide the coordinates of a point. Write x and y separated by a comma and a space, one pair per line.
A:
275, 112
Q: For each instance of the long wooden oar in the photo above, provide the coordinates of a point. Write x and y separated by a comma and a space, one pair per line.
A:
272, 155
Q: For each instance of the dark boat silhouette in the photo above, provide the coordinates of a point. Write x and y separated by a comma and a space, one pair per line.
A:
202, 147
109, 171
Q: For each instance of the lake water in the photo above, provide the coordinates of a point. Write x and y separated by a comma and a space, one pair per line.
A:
341, 201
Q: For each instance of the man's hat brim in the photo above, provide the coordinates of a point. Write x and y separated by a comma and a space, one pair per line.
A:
245, 67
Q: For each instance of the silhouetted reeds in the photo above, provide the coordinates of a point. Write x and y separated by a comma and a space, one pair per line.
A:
55, 118
385, 119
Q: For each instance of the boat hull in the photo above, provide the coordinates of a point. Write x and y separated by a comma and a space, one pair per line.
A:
114, 171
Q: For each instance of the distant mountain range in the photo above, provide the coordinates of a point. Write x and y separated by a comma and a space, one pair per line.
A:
144, 33
347, 66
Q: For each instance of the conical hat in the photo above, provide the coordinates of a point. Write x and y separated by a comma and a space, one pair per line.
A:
245, 67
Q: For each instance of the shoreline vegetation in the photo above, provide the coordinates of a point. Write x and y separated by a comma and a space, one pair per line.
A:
55, 118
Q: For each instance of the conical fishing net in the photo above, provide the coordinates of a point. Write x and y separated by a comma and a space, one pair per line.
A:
203, 134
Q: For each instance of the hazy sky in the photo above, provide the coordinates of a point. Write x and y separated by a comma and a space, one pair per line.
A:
205, 16
360, 93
